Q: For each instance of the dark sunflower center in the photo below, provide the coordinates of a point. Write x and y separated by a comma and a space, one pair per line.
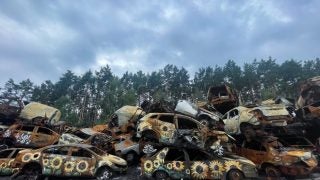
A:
199, 169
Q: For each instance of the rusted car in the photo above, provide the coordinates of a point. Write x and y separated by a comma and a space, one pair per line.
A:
68, 161
7, 158
180, 163
20, 135
178, 129
205, 117
127, 147
275, 159
241, 118
122, 121
309, 92
87, 136
35, 110
223, 98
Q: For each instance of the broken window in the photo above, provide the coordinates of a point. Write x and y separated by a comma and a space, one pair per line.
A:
44, 131
255, 145
55, 150
81, 153
196, 155
166, 118
175, 155
185, 123
233, 113
27, 128
5, 154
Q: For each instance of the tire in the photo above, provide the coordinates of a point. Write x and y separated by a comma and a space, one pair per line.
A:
31, 172
104, 173
204, 122
161, 175
272, 171
235, 174
131, 157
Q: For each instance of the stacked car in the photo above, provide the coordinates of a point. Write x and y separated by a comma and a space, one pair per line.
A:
217, 139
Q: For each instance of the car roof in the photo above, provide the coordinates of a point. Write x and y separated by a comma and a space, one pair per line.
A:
70, 145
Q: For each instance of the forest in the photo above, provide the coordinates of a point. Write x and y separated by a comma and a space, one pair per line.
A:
92, 97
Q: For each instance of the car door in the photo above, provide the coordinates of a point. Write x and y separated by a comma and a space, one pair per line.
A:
5, 161
199, 163
43, 137
255, 151
176, 163
24, 136
231, 121
189, 130
83, 160
54, 160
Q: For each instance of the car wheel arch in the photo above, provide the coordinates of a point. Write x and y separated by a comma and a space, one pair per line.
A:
234, 170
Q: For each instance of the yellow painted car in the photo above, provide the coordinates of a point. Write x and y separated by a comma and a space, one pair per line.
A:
275, 159
71, 160
7, 157
178, 129
177, 163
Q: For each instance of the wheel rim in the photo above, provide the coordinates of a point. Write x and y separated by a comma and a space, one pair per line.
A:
161, 175
105, 175
235, 175
204, 122
271, 172
130, 157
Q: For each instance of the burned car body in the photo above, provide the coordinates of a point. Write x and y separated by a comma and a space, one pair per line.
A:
20, 135
309, 92
239, 118
37, 110
122, 121
170, 128
204, 116
70, 161
223, 98
127, 147
177, 163
270, 156
7, 158
87, 136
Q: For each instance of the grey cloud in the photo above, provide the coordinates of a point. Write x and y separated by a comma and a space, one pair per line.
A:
42, 39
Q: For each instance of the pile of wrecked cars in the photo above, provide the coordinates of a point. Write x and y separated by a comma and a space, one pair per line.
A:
217, 139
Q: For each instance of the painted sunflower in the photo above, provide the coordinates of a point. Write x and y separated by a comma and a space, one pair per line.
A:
35, 156
82, 166
178, 165
156, 163
164, 131
148, 166
69, 166
10, 162
3, 165
26, 157
169, 166
216, 168
45, 162
232, 165
199, 170
56, 162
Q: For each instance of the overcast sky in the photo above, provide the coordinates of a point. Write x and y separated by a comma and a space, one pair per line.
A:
40, 40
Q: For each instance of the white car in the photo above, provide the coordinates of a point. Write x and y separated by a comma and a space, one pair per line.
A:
239, 118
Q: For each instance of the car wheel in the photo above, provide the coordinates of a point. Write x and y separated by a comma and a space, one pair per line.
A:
204, 122
235, 174
31, 173
161, 175
104, 173
272, 171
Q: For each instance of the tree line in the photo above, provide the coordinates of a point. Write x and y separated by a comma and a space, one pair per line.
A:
93, 96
